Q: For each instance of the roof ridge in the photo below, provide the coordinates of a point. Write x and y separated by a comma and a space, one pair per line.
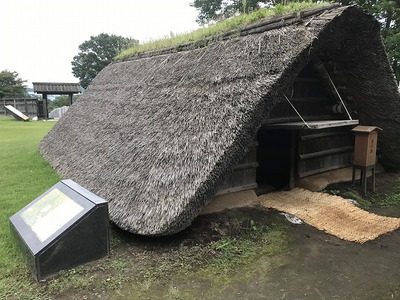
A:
253, 28
59, 83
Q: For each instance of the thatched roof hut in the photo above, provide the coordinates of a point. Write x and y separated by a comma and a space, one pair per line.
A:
157, 134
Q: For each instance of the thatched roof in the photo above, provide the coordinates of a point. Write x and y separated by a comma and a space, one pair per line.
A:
157, 135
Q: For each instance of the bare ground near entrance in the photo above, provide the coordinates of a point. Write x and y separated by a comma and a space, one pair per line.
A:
245, 253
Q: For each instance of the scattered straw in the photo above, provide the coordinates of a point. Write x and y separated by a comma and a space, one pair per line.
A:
332, 214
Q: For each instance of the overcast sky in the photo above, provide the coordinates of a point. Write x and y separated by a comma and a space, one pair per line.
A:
39, 38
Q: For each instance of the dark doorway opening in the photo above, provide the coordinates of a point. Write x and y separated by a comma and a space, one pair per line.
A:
274, 156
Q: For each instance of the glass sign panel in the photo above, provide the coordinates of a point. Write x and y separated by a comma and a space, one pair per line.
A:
50, 213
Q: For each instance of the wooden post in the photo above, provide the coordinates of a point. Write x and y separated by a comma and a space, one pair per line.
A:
364, 177
45, 110
37, 108
70, 99
292, 159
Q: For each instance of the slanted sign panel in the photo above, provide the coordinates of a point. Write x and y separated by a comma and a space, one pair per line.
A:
55, 208
64, 227
16, 113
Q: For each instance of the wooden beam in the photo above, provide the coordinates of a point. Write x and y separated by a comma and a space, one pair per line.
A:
292, 159
326, 152
45, 109
245, 166
275, 121
322, 134
310, 99
321, 170
237, 189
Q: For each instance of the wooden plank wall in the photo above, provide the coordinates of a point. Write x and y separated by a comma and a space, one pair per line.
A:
324, 150
28, 106
320, 150
244, 174
309, 97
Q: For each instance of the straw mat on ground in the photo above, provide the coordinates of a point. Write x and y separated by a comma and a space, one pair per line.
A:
332, 214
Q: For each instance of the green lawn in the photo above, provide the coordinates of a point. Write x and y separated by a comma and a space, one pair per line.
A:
24, 175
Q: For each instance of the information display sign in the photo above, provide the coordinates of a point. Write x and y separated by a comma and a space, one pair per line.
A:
55, 208
64, 227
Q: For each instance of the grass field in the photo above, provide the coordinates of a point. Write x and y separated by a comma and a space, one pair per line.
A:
24, 175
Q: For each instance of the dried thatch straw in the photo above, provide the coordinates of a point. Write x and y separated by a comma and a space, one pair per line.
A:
157, 135
332, 214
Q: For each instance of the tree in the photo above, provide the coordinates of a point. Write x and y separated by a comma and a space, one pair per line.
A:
59, 101
11, 85
97, 53
213, 10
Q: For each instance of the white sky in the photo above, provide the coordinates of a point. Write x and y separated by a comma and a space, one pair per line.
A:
39, 38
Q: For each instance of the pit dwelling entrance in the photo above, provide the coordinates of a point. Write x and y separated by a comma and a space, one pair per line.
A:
307, 132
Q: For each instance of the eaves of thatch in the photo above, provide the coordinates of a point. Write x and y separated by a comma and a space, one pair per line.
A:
157, 134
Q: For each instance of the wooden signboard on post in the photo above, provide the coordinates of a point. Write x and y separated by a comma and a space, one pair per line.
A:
366, 138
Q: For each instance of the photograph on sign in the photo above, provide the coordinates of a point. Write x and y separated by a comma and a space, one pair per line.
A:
50, 213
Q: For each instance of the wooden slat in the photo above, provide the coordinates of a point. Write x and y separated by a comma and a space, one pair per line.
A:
276, 25
321, 135
325, 169
309, 99
275, 121
268, 22
237, 189
319, 10
314, 124
326, 152
251, 165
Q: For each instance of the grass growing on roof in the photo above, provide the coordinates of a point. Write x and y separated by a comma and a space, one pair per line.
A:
220, 27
